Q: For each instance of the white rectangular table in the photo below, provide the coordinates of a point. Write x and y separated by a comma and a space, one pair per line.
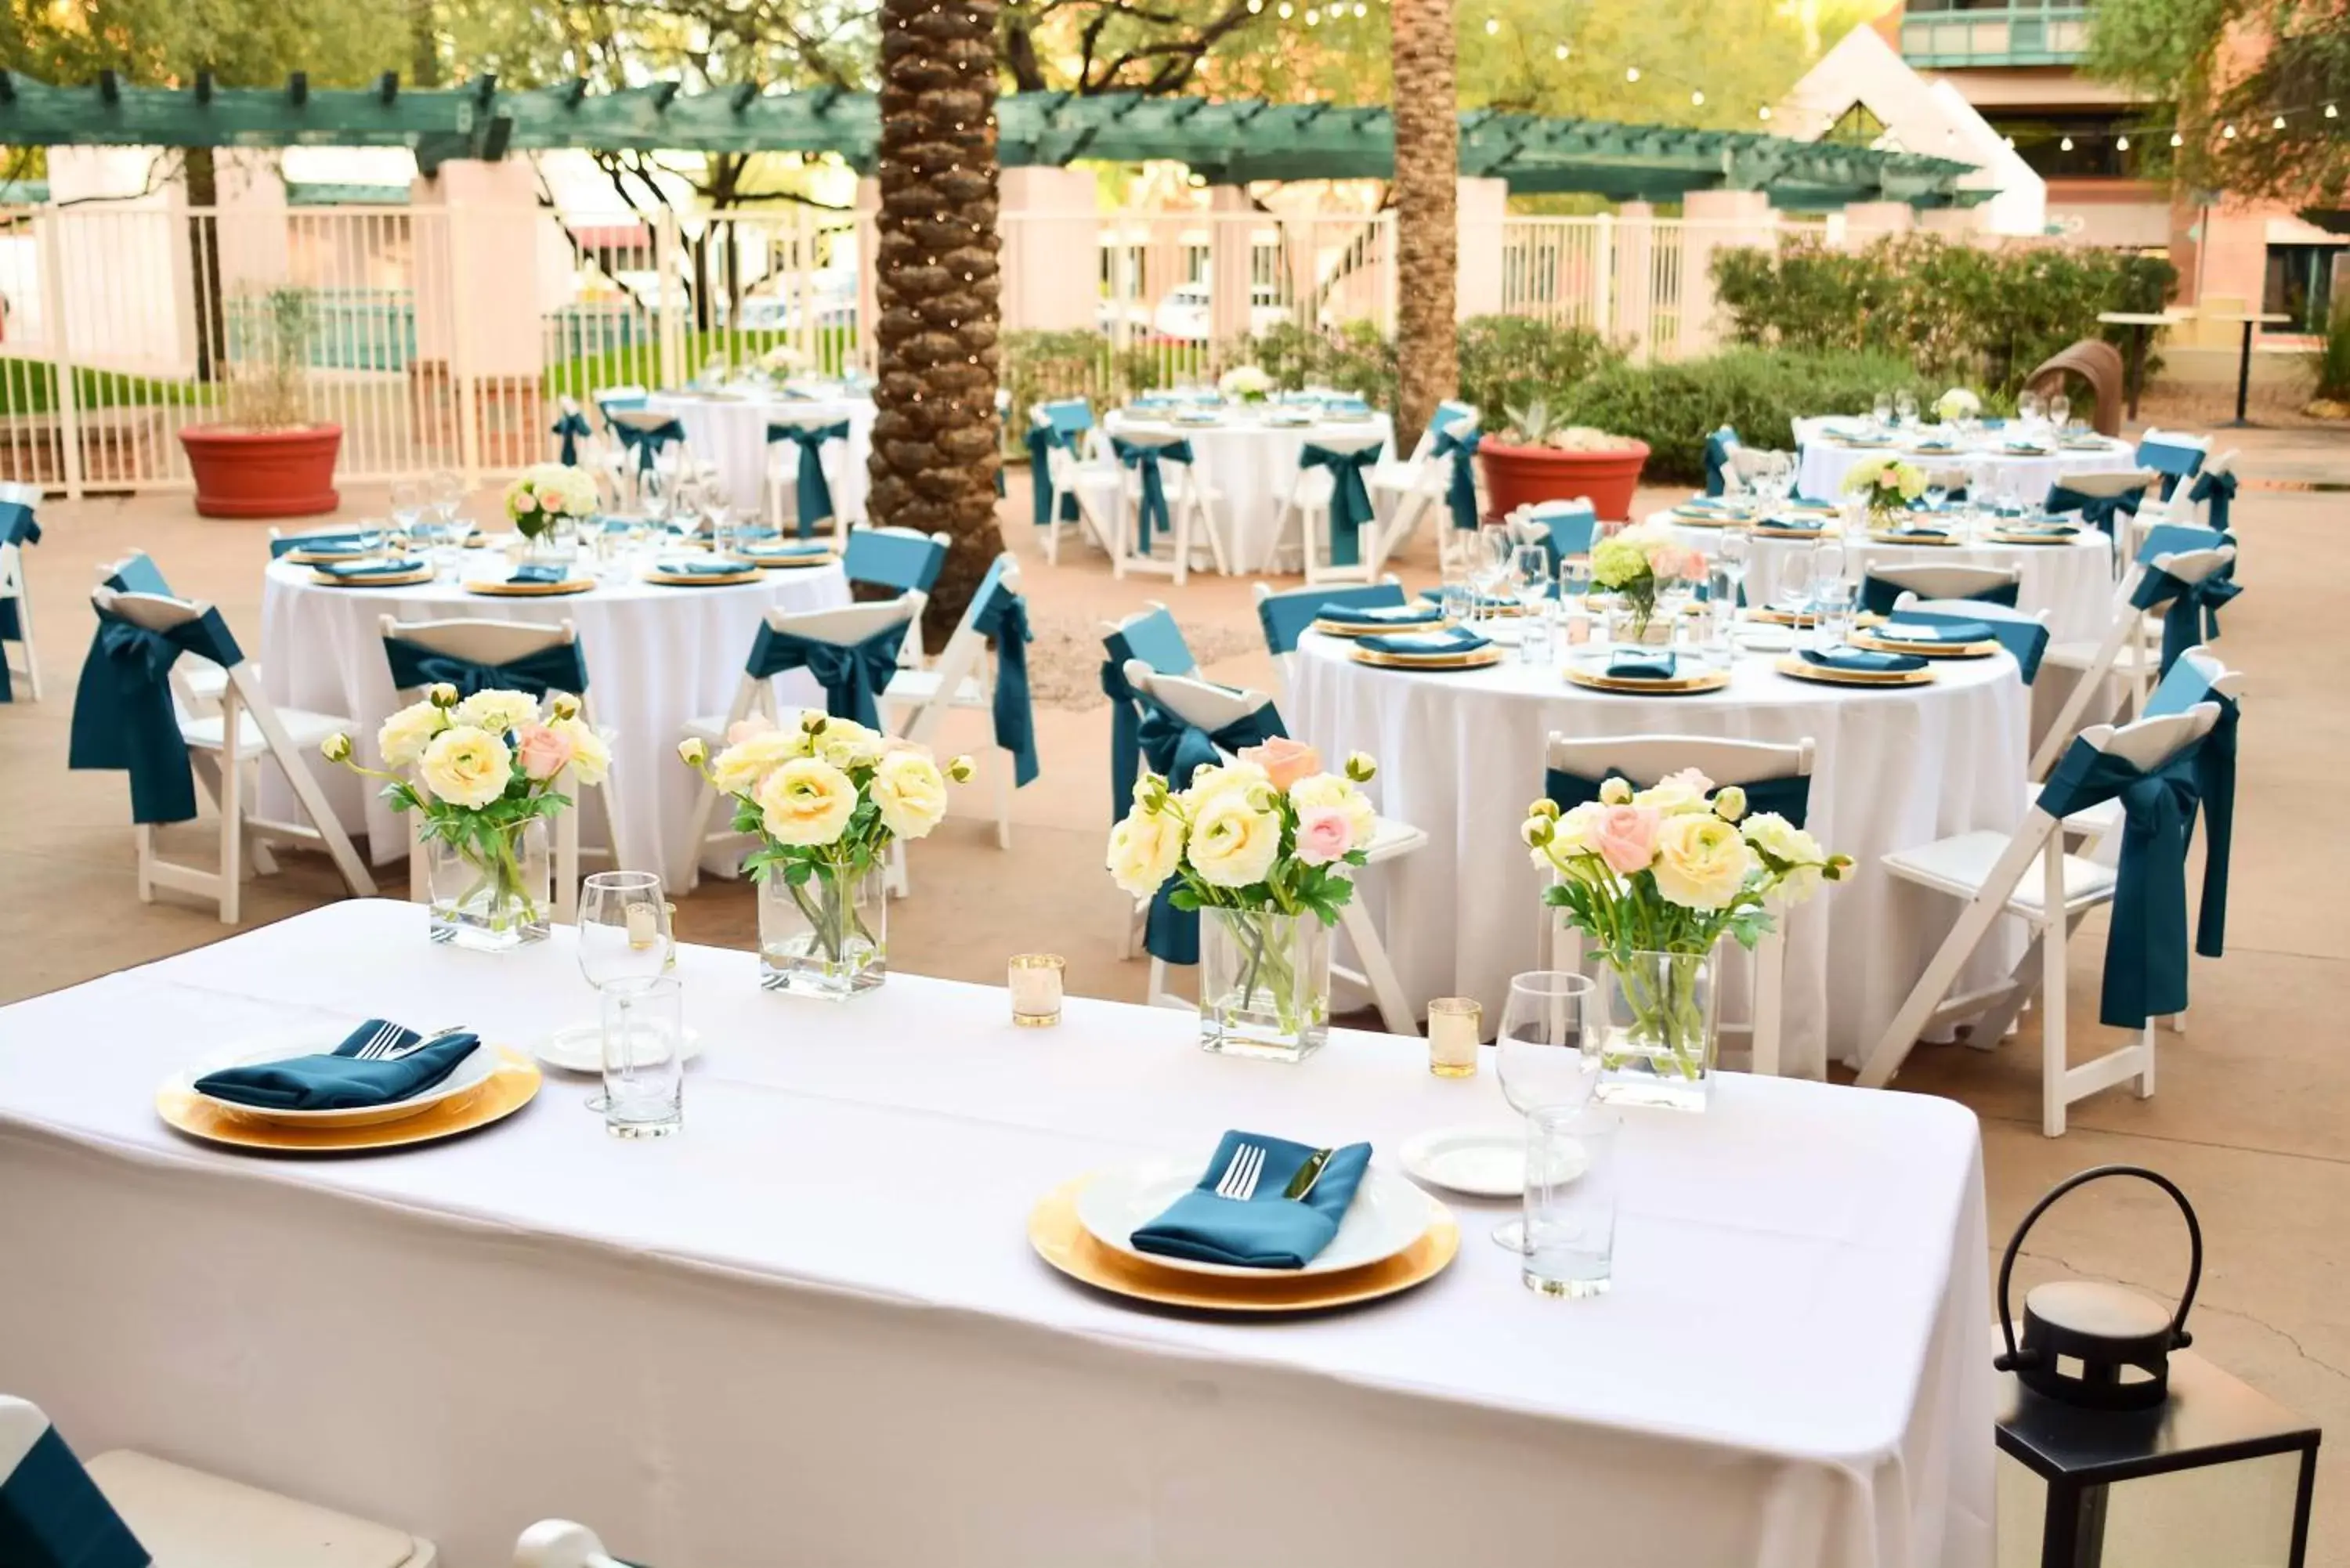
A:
809, 1329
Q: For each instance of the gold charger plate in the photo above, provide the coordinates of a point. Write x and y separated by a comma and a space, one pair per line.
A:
2003, 537
1879, 644
787, 563
531, 590
1929, 541
1055, 1231
703, 579
326, 557
1780, 531
328, 580
1794, 669
1801, 620
1678, 686
500, 1095
1475, 659
1373, 628
1709, 519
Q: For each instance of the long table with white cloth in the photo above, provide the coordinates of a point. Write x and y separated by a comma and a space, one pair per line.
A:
809, 1328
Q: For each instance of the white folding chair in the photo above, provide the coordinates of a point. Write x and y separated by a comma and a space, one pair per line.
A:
1285, 615
197, 681
1645, 759
503, 642
781, 471
1942, 580
1191, 510
182, 1518
1212, 706
560, 1543
2125, 650
963, 676
755, 693
2027, 875
1306, 501
13, 591
223, 746
1404, 491
1098, 488
2150, 509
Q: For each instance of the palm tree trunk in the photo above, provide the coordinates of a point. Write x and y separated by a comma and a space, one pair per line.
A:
1427, 174
937, 289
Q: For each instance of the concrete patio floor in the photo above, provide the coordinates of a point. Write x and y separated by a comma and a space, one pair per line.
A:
2254, 1113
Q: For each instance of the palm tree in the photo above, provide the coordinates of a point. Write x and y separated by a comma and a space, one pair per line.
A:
1426, 172
934, 441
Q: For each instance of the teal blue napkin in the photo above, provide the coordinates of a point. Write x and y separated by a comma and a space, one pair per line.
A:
2055, 528
719, 566
1710, 504
759, 533
1899, 631
1908, 530
765, 550
1266, 1230
1643, 666
1862, 658
394, 568
1425, 644
1795, 524
344, 543
1383, 614
1483, 601
538, 572
338, 1080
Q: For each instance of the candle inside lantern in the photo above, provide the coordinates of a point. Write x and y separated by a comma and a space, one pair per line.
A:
1454, 1023
1036, 990
644, 924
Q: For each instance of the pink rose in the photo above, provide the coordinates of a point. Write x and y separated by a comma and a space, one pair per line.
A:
1323, 835
742, 730
526, 501
543, 752
1626, 837
1694, 780
1284, 761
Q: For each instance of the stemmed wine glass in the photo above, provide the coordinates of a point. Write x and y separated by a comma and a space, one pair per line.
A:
407, 508
1881, 409
1726, 577
1904, 406
1490, 567
2060, 408
1546, 1053
623, 932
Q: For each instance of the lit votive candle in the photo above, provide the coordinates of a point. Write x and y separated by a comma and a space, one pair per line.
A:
1454, 1023
1036, 990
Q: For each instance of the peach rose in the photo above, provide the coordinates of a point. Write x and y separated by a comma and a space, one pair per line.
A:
1323, 835
1626, 837
742, 730
543, 751
1284, 761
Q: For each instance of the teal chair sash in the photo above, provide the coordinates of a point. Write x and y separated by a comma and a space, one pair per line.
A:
1004, 615
1456, 447
2174, 461
2215, 780
1790, 798
140, 575
1144, 458
646, 441
2216, 492
1042, 440
123, 717
853, 674
2026, 640
1285, 616
1158, 641
2190, 611
569, 430
1877, 594
1176, 748
53, 1515
558, 669
17, 527
1717, 448
2100, 512
811, 491
894, 561
1350, 498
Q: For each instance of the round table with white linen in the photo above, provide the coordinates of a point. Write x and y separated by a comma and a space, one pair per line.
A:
2072, 580
657, 657
1461, 755
1826, 461
728, 430
1250, 463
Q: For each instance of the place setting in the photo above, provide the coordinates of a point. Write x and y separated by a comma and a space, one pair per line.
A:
1645, 672
385, 572
773, 554
1450, 647
531, 579
701, 572
1371, 621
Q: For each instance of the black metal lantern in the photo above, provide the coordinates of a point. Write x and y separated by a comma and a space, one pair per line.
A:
2102, 1397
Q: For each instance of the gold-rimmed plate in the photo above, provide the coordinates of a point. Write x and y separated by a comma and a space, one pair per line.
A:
1706, 517
1376, 629
703, 579
777, 561
1474, 658
1795, 668
511, 590
2005, 536
1062, 1241
1877, 643
1930, 541
504, 1091
1781, 531
328, 557
1800, 619
1677, 685
423, 574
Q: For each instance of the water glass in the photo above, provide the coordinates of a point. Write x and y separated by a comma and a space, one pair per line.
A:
407, 504
1540, 1051
1905, 407
1458, 603
447, 493
2060, 408
1881, 409
1572, 1183
1537, 637
1832, 602
644, 1060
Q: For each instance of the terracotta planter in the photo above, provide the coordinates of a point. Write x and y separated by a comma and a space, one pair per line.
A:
263, 473
1519, 476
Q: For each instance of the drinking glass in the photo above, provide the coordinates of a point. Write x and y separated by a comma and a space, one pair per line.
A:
407, 504
1937, 494
1792, 590
1831, 603
447, 493
2028, 408
644, 1056
1572, 1183
1881, 409
1530, 577
624, 932
1490, 566
1539, 1053
1904, 406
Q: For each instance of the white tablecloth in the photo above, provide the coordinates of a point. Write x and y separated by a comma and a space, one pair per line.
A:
1824, 462
2073, 583
656, 657
1251, 465
1461, 754
809, 1327
731, 432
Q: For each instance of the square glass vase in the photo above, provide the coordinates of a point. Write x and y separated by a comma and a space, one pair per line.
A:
1658, 1044
491, 901
828, 937
1264, 984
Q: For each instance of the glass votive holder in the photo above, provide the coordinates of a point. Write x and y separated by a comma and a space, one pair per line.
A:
1036, 981
1454, 1024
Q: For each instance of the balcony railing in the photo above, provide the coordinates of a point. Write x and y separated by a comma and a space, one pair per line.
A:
2020, 35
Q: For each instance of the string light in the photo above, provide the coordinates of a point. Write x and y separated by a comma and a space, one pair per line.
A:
1492, 25
1313, 18
2333, 113
1563, 51
1631, 73
2065, 145
2277, 124
1764, 113
1256, 7
1698, 99
2229, 132
2121, 144
2011, 143
1361, 10
2177, 139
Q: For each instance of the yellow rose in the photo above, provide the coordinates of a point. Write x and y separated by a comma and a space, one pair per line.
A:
1571, 832
1143, 850
1244, 778
1234, 843
1329, 789
591, 759
498, 712
1796, 856
402, 739
466, 767
845, 744
1702, 861
740, 767
806, 801
909, 790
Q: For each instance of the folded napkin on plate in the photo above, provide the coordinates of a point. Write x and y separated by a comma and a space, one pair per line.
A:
717, 566
1941, 631
1710, 504
1266, 1230
1643, 666
2030, 448
332, 544
398, 567
1800, 522
538, 572
2054, 526
1425, 644
1913, 531
1482, 601
1379, 614
338, 1080
1862, 658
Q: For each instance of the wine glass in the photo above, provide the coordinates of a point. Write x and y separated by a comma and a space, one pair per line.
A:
407, 506
1881, 409
2028, 408
1495, 542
1904, 406
448, 494
623, 932
1792, 592
1546, 1052
1530, 577
1726, 577
1938, 491
2060, 408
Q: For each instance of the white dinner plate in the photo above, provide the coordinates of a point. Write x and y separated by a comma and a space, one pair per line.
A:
579, 1047
1764, 638
1387, 1215
1485, 1162
471, 1073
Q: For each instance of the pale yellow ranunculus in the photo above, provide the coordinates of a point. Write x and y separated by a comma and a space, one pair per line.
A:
499, 712
845, 744
591, 758
466, 767
402, 738
806, 802
909, 790
1242, 778
1331, 789
1233, 842
739, 769
1143, 850
1702, 861
1796, 851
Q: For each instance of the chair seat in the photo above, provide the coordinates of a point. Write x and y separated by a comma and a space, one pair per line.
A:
2128, 658
186, 1519
206, 680
303, 728
1959, 865
2095, 821
916, 686
1391, 839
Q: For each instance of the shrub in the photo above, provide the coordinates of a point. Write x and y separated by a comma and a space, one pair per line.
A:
1508, 361
1357, 357
2333, 357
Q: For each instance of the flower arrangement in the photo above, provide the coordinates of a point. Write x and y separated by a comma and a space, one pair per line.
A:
1246, 384
1955, 404
1886, 485
546, 494
1637, 564
780, 360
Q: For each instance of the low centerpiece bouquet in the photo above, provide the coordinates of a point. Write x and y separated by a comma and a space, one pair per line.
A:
1263, 850
1637, 564
483, 775
781, 359
1957, 404
1886, 485
1656, 878
548, 501
1246, 384
826, 797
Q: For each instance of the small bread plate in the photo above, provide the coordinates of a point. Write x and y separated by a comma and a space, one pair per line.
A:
1483, 1162
1935, 540
1595, 677
332, 556
579, 1047
1757, 637
509, 1087
471, 1073
420, 572
1796, 669
1474, 658
1387, 1216
1709, 517
510, 590
1380, 628
1876, 641
749, 574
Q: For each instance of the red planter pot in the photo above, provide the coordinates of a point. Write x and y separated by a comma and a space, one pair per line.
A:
1519, 476
263, 473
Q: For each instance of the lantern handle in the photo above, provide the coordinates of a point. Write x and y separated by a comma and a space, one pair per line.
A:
2179, 1337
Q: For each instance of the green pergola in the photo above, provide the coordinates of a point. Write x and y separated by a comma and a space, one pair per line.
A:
1227, 142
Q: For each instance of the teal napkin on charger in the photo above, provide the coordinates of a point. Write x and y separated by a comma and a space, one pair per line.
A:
1425, 644
538, 572
1482, 601
1956, 631
718, 568
338, 1080
1379, 614
1795, 524
1910, 531
396, 568
811, 549
1862, 658
1266, 1230
332, 544
1643, 666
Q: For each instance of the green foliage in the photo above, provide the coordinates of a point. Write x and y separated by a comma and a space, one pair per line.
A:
639, 364
1960, 313
269, 387
2333, 357
30, 387
1508, 360
1359, 359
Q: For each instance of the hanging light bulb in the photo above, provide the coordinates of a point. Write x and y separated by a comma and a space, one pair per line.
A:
1361, 10
2277, 124
1631, 73
2121, 144
1284, 12
1256, 7
1492, 25
2228, 132
1313, 18
1562, 52
1764, 113
1698, 99
2331, 112
2177, 139
2065, 145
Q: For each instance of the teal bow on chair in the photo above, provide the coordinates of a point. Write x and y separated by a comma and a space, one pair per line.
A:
853, 674
2217, 491
2026, 640
1457, 446
1144, 458
123, 719
1004, 617
19, 528
647, 440
2102, 512
569, 430
556, 669
1790, 798
1717, 448
2193, 608
1878, 594
1042, 440
1350, 498
811, 491
1176, 748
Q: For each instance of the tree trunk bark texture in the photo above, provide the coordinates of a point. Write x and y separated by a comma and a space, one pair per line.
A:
935, 448
1427, 192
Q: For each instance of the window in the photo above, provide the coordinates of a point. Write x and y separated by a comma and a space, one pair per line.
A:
2299, 284
1856, 127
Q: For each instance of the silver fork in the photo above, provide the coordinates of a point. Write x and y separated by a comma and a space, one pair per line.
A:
1239, 1177
384, 1036
398, 1052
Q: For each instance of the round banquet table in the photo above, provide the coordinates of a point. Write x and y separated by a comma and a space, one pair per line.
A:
1461, 754
2073, 581
1250, 464
729, 432
656, 657
1824, 460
